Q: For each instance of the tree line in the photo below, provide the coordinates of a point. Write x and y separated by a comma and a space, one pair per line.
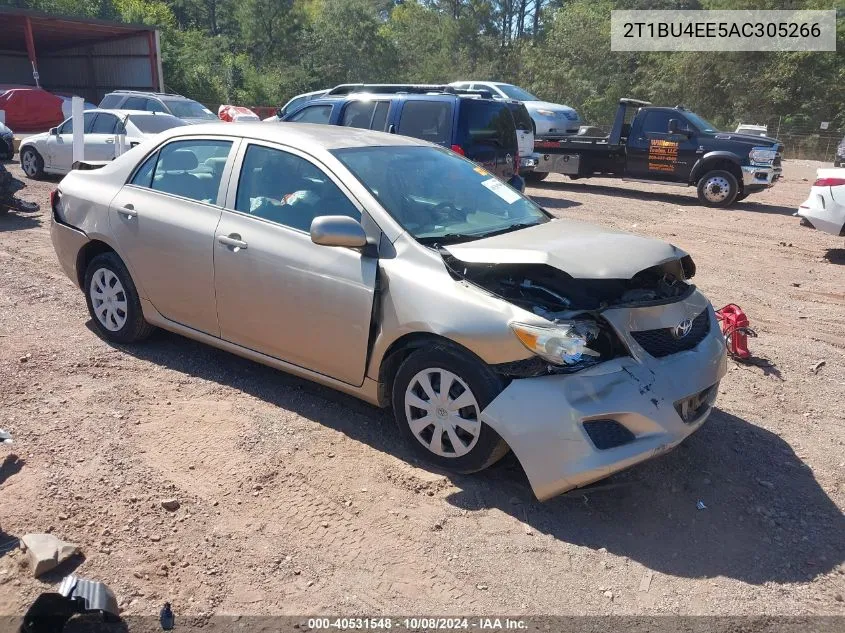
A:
262, 52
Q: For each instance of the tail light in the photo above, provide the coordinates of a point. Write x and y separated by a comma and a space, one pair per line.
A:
829, 182
458, 150
55, 196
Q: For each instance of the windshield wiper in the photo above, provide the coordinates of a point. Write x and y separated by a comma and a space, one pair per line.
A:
448, 238
508, 229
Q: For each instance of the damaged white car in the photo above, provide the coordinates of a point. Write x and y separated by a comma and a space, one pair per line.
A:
408, 276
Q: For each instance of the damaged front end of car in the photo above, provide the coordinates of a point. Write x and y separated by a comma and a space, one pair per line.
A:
576, 336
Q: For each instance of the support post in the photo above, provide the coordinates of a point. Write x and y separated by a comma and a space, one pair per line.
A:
30, 49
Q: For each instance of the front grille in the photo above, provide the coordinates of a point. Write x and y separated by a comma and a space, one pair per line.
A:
692, 408
608, 433
662, 342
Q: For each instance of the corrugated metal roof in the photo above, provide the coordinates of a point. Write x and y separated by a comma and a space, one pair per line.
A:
53, 33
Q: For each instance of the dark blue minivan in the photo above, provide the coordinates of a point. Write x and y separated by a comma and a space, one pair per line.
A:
479, 128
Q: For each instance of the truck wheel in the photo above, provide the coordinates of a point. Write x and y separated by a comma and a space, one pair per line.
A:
438, 396
717, 188
536, 176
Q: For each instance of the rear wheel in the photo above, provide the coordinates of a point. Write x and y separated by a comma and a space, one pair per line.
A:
718, 188
536, 176
113, 301
31, 163
438, 396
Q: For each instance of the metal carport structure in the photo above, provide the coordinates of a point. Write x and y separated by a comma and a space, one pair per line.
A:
78, 56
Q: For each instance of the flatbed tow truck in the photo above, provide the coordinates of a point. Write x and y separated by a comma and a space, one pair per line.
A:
668, 146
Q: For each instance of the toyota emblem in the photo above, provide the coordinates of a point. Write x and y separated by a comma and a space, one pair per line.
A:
682, 329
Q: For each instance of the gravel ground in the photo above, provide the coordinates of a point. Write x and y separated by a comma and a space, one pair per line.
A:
294, 499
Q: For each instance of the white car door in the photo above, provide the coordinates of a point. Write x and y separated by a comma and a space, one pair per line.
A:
100, 141
59, 149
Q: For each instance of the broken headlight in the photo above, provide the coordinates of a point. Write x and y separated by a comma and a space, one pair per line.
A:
564, 343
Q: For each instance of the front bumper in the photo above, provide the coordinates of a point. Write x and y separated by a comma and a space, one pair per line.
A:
542, 419
759, 178
554, 126
528, 163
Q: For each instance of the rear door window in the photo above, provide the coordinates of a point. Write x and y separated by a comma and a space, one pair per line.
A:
110, 102
104, 124
380, 117
427, 120
135, 103
487, 123
313, 114
188, 169
521, 117
358, 114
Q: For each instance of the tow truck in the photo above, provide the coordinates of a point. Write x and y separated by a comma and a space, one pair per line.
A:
668, 146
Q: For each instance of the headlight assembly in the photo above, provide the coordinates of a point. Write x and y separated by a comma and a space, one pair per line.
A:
566, 343
762, 155
545, 112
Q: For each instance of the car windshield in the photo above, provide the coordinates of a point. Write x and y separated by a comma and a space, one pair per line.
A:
437, 196
516, 93
187, 109
703, 125
154, 123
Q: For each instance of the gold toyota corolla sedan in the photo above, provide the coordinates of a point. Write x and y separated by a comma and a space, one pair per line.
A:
399, 272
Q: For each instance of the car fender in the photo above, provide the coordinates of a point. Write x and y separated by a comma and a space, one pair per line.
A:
700, 167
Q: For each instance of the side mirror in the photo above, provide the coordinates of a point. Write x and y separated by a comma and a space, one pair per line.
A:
673, 126
280, 113
54, 131
338, 230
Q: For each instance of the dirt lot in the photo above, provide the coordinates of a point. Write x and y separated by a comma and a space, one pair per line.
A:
295, 499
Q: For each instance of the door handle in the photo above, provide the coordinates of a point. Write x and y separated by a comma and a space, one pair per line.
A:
233, 241
128, 211
110, 140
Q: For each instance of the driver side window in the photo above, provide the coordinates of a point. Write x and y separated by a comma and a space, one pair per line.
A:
288, 190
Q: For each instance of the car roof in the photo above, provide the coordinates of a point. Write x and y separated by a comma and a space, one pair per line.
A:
299, 134
147, 93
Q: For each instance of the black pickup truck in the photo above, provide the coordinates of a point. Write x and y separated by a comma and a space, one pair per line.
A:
666, 145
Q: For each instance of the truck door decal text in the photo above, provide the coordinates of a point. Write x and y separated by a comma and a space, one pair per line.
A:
662, 155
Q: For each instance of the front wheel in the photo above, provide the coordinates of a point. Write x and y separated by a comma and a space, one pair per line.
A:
32, 164
717, 188
438, 396
113, 301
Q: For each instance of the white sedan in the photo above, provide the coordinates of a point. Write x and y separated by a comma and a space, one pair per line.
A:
824, 209
52, 152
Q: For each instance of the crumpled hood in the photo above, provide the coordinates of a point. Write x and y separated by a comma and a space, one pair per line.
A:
584, 251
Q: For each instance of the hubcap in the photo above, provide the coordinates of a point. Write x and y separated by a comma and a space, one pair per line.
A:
29, 163
442, 413
716, 189
108, 299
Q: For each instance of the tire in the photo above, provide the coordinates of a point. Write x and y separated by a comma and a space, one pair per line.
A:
536, 176
122, 320
32, 164
477, 445
717, 188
